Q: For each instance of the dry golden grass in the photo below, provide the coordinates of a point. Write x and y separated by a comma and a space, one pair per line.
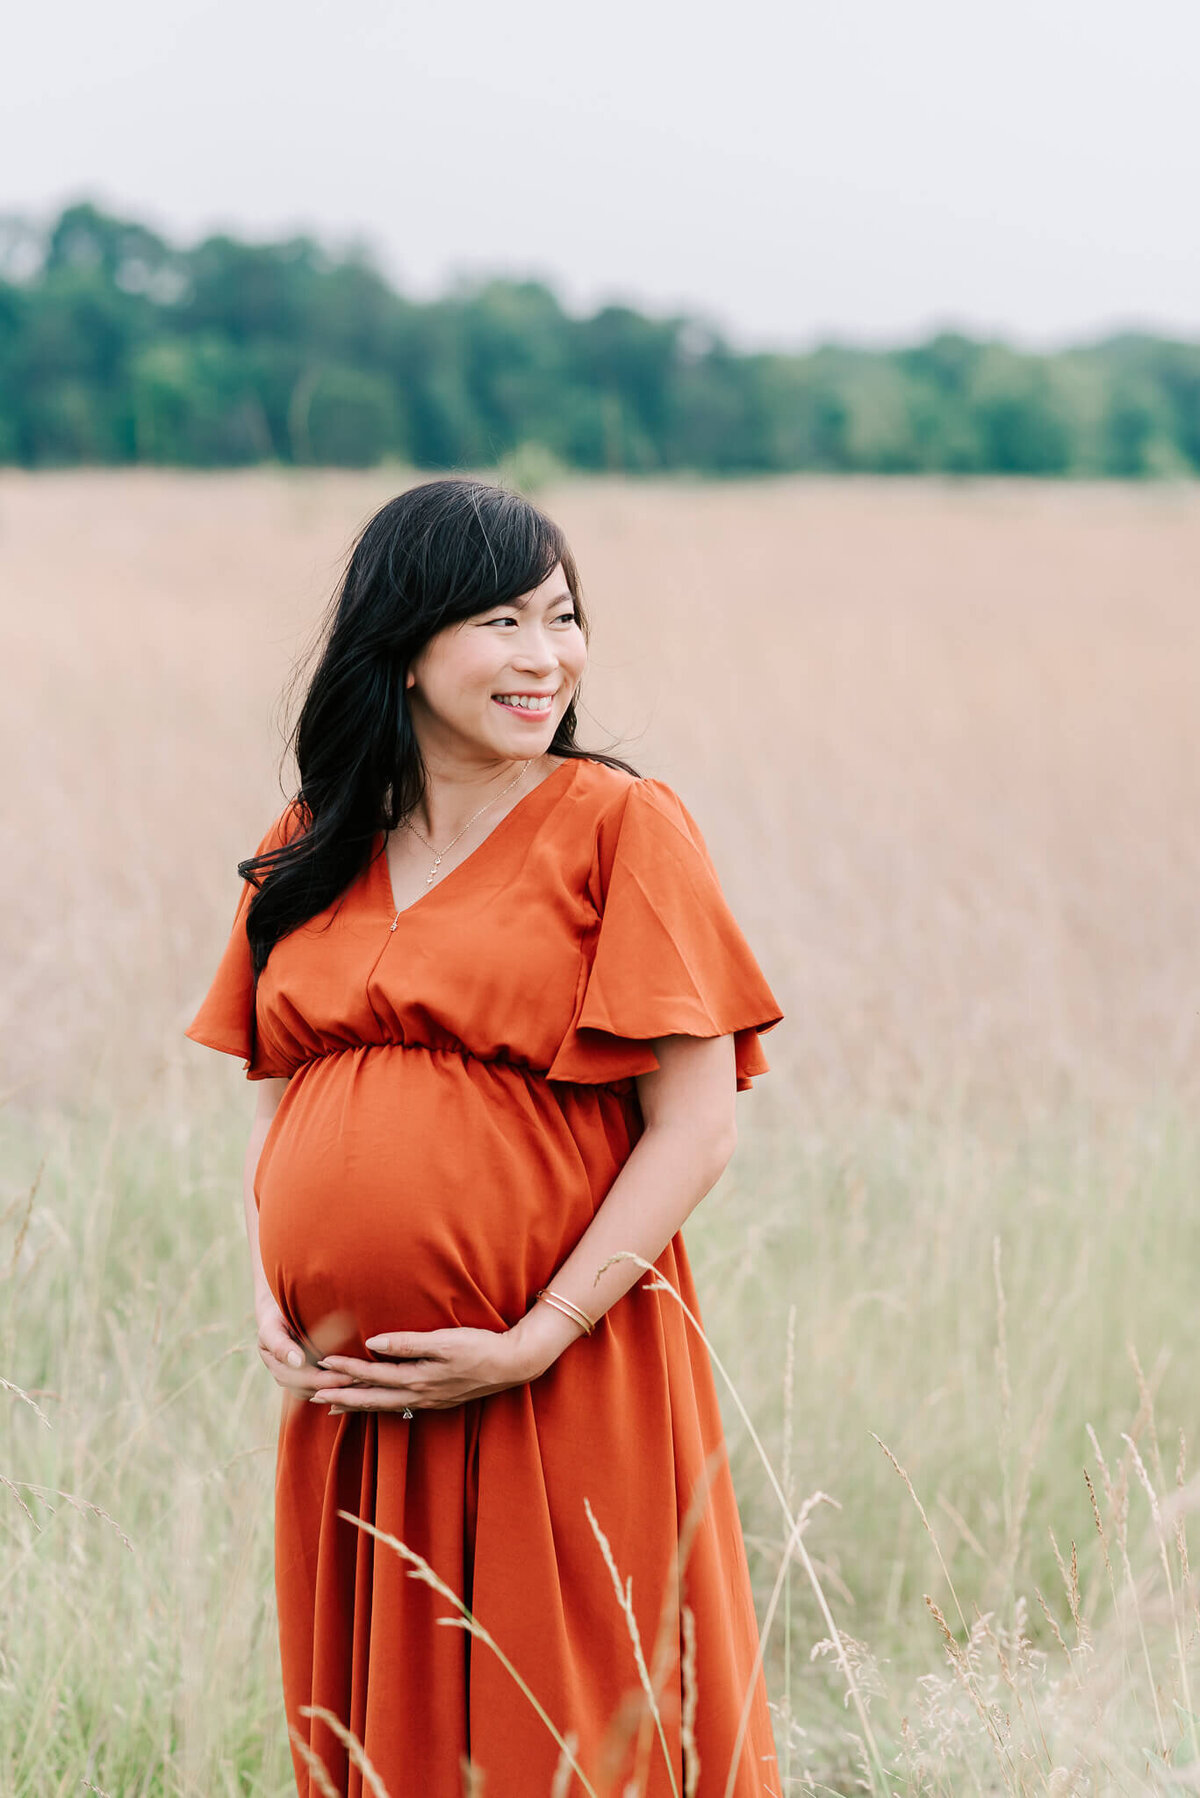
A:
942, 740
943, 744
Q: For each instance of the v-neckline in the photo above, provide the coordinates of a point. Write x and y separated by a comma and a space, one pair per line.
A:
385, 875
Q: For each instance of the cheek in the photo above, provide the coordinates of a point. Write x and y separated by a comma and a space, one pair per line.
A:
459, 671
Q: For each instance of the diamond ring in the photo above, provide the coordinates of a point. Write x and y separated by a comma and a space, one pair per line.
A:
406, 1412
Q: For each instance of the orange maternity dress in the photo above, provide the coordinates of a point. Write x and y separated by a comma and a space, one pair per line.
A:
461, 1097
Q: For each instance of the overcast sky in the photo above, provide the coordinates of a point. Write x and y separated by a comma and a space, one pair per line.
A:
862, 168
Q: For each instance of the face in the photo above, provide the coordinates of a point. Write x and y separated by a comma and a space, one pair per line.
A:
495, 686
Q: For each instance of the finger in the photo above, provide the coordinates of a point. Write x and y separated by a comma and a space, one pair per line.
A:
369, 1371
367, 1398
310, 1381
305, 1379
408, 1345
277, 1340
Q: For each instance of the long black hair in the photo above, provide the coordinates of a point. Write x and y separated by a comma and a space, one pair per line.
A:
435, 555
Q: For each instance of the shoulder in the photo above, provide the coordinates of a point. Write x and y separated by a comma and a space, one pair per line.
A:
615, 791
608, 786
636, 818
290, 822
609, 793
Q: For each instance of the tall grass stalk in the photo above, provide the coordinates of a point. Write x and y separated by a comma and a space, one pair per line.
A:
150, 1412
659, 1283
958, 816
420, 1569
623, 1591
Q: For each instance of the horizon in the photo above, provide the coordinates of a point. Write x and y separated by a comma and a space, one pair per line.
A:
866, 176
346, 247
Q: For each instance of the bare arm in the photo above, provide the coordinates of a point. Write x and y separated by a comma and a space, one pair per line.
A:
689, 1136
270, 1096
280, 1352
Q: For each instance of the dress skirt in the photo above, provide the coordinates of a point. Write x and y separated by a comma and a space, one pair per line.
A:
461, 1095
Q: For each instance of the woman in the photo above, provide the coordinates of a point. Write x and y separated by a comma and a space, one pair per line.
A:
499, 1010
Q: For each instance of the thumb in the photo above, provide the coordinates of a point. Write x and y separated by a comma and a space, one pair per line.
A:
278, 1340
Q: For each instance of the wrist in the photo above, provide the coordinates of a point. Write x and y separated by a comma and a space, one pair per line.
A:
539, 1338
264, 1298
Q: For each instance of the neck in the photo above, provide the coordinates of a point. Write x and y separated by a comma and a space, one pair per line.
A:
455, 794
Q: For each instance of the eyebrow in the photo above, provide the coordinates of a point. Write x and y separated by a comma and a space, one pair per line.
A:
521, 604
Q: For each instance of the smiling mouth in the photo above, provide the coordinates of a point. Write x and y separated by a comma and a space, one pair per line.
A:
537, 704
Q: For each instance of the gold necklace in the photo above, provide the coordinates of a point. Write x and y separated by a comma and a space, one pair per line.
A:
438, 854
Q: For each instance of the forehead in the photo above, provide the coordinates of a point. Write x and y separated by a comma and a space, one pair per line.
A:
554, 587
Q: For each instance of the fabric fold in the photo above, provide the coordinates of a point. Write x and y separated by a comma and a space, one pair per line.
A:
225, 1020
668, 958
422, 1173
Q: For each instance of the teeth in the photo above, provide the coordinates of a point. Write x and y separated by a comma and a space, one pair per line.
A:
540, 704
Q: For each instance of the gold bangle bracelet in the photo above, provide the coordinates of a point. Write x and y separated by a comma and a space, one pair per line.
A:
589, 1323
567, 1307
559, 1305
568, 1310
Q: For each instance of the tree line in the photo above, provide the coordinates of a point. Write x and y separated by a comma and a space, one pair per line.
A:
119, 347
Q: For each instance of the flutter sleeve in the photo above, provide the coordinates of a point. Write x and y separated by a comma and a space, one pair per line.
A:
667, 957
224, 1018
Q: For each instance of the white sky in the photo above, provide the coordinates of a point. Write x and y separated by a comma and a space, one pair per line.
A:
860, 168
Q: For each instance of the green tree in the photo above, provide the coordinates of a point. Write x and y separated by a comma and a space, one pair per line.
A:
117, 346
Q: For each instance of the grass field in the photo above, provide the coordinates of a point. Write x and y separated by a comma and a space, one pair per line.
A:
942, 741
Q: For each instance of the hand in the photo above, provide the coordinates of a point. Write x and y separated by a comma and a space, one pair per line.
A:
430, 1370
283, 1356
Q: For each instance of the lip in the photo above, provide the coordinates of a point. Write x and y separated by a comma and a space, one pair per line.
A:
516, 711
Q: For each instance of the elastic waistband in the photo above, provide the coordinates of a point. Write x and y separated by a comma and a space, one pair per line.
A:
458, 1050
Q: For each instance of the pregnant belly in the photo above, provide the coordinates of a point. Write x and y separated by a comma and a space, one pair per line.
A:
403, 1188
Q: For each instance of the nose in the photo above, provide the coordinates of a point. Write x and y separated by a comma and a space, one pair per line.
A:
537, 652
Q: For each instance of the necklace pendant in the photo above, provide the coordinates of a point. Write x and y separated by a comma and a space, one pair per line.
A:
409, 825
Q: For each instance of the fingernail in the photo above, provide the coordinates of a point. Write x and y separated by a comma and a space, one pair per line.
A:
375, 1342
295, 1358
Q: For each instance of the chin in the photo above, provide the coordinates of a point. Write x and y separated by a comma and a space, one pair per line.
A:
531, 737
